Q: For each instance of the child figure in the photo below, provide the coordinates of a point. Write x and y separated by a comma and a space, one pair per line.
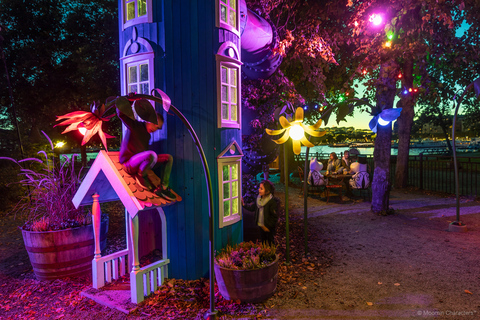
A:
139, 161
266, 207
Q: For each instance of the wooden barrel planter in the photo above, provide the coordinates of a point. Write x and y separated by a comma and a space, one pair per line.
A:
249, 286
63, 253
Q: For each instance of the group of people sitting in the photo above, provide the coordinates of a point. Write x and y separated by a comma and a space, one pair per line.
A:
335, 166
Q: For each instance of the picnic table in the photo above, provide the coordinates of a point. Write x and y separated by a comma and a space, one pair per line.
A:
336, 181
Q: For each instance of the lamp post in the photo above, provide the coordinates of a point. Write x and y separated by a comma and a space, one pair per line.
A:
295, 130
457, 225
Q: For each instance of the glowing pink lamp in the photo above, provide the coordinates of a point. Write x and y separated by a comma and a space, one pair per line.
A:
376, 19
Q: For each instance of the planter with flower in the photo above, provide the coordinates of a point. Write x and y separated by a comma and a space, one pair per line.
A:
247, 272
58, 237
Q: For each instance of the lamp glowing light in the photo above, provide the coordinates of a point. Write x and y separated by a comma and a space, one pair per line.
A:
305, 107
390, 36
388, 44
382, 122
405, 92
59, 144
82, 130
376, 19
356, 23
400, 76
296, 132
364, 71
410, 90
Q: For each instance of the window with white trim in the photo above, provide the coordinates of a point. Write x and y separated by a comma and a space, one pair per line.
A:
228, 86
230, 185
230, 190
229, 79
228, 15
136, 11
138, 72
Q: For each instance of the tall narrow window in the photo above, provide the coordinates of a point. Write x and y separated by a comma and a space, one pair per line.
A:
230, 184
230, 189
136, 11
229, 91
228, 17
228, 86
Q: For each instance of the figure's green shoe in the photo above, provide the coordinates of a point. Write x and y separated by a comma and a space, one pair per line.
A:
165, 193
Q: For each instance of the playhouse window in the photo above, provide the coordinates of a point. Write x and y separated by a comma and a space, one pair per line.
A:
228, 17
229, 95
138, 76
136, 11
230, 192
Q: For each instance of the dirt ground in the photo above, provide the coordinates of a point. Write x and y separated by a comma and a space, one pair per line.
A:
359, 266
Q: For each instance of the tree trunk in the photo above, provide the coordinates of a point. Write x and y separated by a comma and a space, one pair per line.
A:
385, 96
405, 122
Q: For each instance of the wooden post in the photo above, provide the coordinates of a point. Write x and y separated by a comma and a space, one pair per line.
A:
98, 272
134, 249
136, 277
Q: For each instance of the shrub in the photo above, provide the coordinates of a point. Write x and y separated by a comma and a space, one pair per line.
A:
50, 184
246, 256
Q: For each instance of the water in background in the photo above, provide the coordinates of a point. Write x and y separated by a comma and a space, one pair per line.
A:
365, 151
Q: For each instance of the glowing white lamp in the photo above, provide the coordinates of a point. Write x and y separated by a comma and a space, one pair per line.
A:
296, 132
382, 122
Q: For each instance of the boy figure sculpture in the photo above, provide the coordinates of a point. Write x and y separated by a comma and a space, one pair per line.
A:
139, 161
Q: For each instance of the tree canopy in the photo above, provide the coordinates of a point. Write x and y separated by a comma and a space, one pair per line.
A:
60, 56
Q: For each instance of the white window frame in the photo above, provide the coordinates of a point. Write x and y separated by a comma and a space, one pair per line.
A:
230, 63
137, 60
226, 25
148, 18
232, 155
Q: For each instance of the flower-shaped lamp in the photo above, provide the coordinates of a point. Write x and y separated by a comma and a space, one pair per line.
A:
296, 130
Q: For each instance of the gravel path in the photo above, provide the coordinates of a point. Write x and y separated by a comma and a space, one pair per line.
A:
402, 266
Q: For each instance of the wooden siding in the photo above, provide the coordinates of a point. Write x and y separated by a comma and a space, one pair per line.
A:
185, 41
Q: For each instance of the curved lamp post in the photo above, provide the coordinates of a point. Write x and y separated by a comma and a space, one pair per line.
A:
295, 130
457, 225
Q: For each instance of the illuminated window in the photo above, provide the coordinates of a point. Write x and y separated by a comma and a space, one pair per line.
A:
230, 185
136, 11
138, 75
227, 15
228, 89
229, 93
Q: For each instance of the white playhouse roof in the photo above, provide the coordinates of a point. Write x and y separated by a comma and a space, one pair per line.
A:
109, 180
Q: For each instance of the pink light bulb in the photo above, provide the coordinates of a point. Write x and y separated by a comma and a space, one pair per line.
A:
376, 19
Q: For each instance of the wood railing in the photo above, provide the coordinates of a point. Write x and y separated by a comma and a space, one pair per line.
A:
110, 267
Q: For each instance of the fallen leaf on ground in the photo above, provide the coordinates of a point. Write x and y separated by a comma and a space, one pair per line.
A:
379, 283
370, 303
466, 291
396, 284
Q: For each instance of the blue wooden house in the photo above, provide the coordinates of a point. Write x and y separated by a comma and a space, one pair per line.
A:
192, 51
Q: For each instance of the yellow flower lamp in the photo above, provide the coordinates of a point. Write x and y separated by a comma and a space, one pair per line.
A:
296, 130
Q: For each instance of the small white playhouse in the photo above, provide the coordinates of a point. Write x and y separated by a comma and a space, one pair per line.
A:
107, 181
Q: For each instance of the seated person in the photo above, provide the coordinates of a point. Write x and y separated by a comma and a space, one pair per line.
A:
346, 161
315, 178
139, 161
334, 165
356, 168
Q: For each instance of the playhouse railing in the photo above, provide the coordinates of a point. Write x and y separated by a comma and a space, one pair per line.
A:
153, 275
110, 267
